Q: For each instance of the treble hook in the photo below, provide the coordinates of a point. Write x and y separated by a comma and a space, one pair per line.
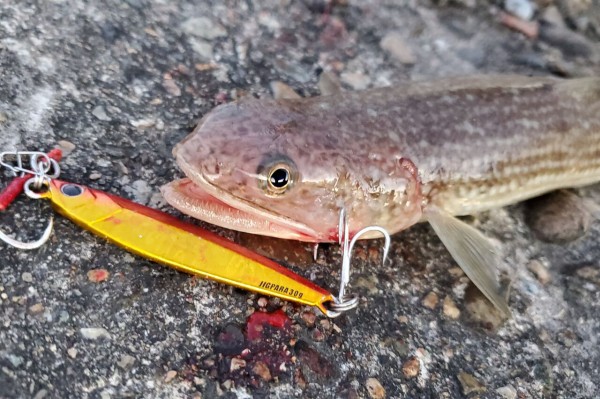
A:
29, 245
347, 302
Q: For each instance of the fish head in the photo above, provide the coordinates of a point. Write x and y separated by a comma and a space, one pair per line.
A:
264, 167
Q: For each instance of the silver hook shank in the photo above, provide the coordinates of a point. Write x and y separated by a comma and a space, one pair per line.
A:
346, 302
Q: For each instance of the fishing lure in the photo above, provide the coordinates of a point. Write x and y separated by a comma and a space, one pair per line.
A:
165, 239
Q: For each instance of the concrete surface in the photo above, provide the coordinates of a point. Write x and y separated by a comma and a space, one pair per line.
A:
123, 81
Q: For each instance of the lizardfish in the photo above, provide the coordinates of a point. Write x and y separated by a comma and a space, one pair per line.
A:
392, 157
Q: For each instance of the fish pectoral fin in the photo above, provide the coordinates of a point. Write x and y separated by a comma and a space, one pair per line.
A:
472, 251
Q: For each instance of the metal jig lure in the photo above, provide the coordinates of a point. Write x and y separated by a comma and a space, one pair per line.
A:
165, 239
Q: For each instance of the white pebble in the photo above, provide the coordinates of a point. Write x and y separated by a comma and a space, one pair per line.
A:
523, 9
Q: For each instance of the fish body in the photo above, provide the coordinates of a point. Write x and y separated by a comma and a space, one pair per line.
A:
391, 157
465, 145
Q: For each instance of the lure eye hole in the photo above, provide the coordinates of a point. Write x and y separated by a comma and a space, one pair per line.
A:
71, 190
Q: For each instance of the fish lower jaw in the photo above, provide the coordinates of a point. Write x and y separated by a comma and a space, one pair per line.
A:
191, 199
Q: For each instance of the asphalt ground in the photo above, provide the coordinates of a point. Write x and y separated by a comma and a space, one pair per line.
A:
119, 83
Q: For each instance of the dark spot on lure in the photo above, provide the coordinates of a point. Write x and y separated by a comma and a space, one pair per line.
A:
71, 190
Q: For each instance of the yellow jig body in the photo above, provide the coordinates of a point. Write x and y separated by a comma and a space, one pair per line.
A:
165, 239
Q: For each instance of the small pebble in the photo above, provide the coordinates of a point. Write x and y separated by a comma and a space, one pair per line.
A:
126, 362
507, 392
36, 309
3, 117
170, 375
228, 384
15, 360
95, 175
27, 277
203, 27
450, 309
94, 333
122, 168
41, 394
237, 364
356, 80
553, 16
66, 147
431, 300
202, 48
317, 335
143, 123
328, 83
199, 381
396, 46
283, 90
470, 384
299, 379
456, 272
540, 271
309, 318
100, 113
374, 388
72, 352
523, 9
262, 370
262, 302
336, 328
370, 282
590, 273
558, 217
481, 310
170, 86
411, 367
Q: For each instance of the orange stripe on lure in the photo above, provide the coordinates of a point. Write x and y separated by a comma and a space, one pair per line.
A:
165, 239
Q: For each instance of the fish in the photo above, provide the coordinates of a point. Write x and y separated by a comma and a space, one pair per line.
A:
426, 151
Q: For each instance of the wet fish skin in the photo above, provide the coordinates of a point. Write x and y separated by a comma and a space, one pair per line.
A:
392, 157
477, 143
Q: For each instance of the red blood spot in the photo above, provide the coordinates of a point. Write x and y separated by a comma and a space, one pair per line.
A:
259, 320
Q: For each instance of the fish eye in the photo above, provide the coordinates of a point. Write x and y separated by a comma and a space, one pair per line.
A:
278, 174
279, 178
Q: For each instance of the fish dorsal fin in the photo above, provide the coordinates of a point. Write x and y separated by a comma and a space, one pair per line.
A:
472, 251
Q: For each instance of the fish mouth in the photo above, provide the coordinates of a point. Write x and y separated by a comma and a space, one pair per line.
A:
198, 197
